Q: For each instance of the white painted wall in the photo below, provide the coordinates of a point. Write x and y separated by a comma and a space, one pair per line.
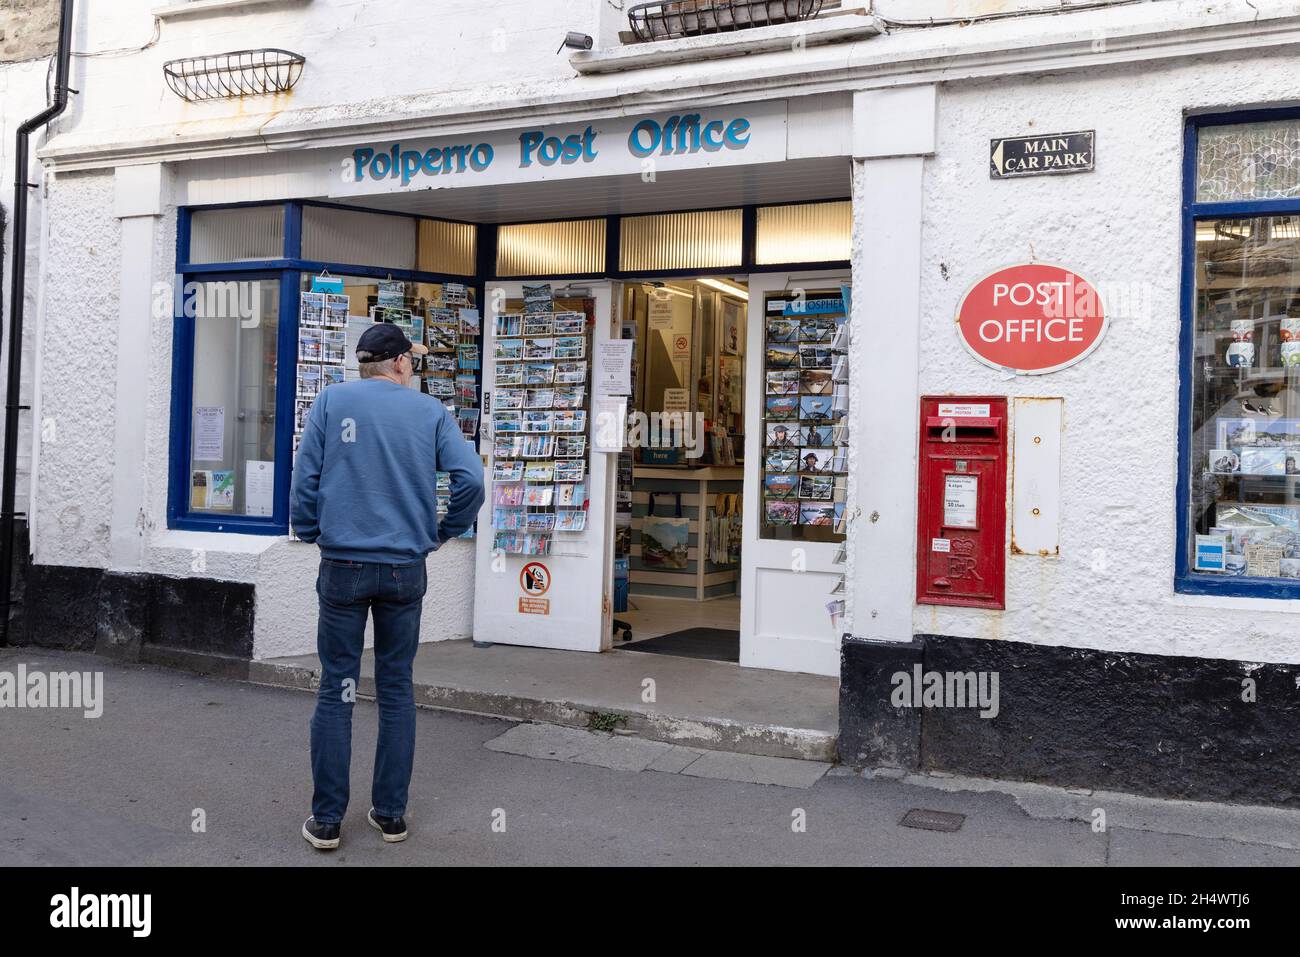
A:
1112, 586
1119, 223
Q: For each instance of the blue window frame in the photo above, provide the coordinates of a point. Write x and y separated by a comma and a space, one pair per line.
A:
288, 269
253, 278
1239, 388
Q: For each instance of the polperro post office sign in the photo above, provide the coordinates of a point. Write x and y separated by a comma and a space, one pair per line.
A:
1031, 319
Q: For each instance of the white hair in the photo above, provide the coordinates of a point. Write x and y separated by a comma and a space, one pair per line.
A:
382, 367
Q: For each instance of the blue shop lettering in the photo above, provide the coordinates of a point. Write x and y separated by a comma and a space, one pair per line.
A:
685, 134
548, 149
407, 164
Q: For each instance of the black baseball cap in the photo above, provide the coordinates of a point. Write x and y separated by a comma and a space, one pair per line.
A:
383, 341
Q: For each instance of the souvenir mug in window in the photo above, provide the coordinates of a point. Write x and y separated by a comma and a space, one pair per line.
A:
1290, 331
1224, 462
1243, 330
1291, 353
1241, 354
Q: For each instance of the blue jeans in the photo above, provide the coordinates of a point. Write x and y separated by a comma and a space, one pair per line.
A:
349, 591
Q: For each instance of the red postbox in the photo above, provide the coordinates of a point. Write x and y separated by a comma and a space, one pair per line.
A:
962, 502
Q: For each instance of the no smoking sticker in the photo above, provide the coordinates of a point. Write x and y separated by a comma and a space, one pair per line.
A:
535, 579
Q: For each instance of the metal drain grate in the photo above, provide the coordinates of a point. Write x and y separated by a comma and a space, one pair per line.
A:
933, 820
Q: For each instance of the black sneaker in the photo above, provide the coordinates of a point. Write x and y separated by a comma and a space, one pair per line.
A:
323, 837
393, 828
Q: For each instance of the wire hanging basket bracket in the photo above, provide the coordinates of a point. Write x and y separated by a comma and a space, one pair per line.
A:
229, 75
670, 19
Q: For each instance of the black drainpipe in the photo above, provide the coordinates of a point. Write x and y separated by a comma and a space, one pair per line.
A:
17, 292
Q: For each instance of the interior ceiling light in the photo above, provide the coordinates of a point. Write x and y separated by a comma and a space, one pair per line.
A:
725, 285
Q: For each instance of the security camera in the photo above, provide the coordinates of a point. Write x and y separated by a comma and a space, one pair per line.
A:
576, 41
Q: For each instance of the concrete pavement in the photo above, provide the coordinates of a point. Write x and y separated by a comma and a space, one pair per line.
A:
171, 748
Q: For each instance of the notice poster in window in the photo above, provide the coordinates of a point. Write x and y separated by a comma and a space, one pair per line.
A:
960, 500
209, 433
259, 487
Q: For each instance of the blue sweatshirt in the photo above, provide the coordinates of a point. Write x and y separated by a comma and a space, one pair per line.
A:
365, 486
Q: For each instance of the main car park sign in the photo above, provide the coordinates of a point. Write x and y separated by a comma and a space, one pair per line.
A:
1016, 156
1031, 319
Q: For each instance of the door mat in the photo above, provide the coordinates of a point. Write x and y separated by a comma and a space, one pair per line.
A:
712, 644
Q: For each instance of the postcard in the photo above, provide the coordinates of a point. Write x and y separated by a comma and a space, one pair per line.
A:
782, 330
508, 471
539, 472
570, 471
815, 381
508, 493
815, 460
570, 520
815, 407
507, 518
506, 421
510, 374
336, 311
539, 373
308, 380
439, 386
817, 328
780, 512
538, 496
815, 436
570, 373
539, 348
570, 324
782, 355
783, 382
570, 493
817, 487
334, 345
537, 422
570, 347
539, 325
570, 421
814, 357
331, 375
781, 484
569, 398
782, 460
782, 407
817, 514
310, 345
539, 398
781, 435
570, 446
311, 311
470, 322
442, 337
511, 324
509, 350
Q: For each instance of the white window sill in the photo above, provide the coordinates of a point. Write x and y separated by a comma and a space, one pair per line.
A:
199, 8
711, 46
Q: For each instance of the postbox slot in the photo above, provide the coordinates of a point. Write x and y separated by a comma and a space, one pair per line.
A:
963, 430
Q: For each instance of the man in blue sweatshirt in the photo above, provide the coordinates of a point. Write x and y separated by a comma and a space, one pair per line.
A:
365, 491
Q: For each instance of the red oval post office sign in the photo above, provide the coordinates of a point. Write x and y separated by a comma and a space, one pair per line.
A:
1032, 318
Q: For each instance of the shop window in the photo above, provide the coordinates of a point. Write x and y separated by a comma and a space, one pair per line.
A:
237, 234
232, 413
572, 247
709, 239
358, 238
1241, 531
804, 233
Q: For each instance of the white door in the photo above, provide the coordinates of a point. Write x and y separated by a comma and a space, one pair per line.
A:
563, 599
786, 580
